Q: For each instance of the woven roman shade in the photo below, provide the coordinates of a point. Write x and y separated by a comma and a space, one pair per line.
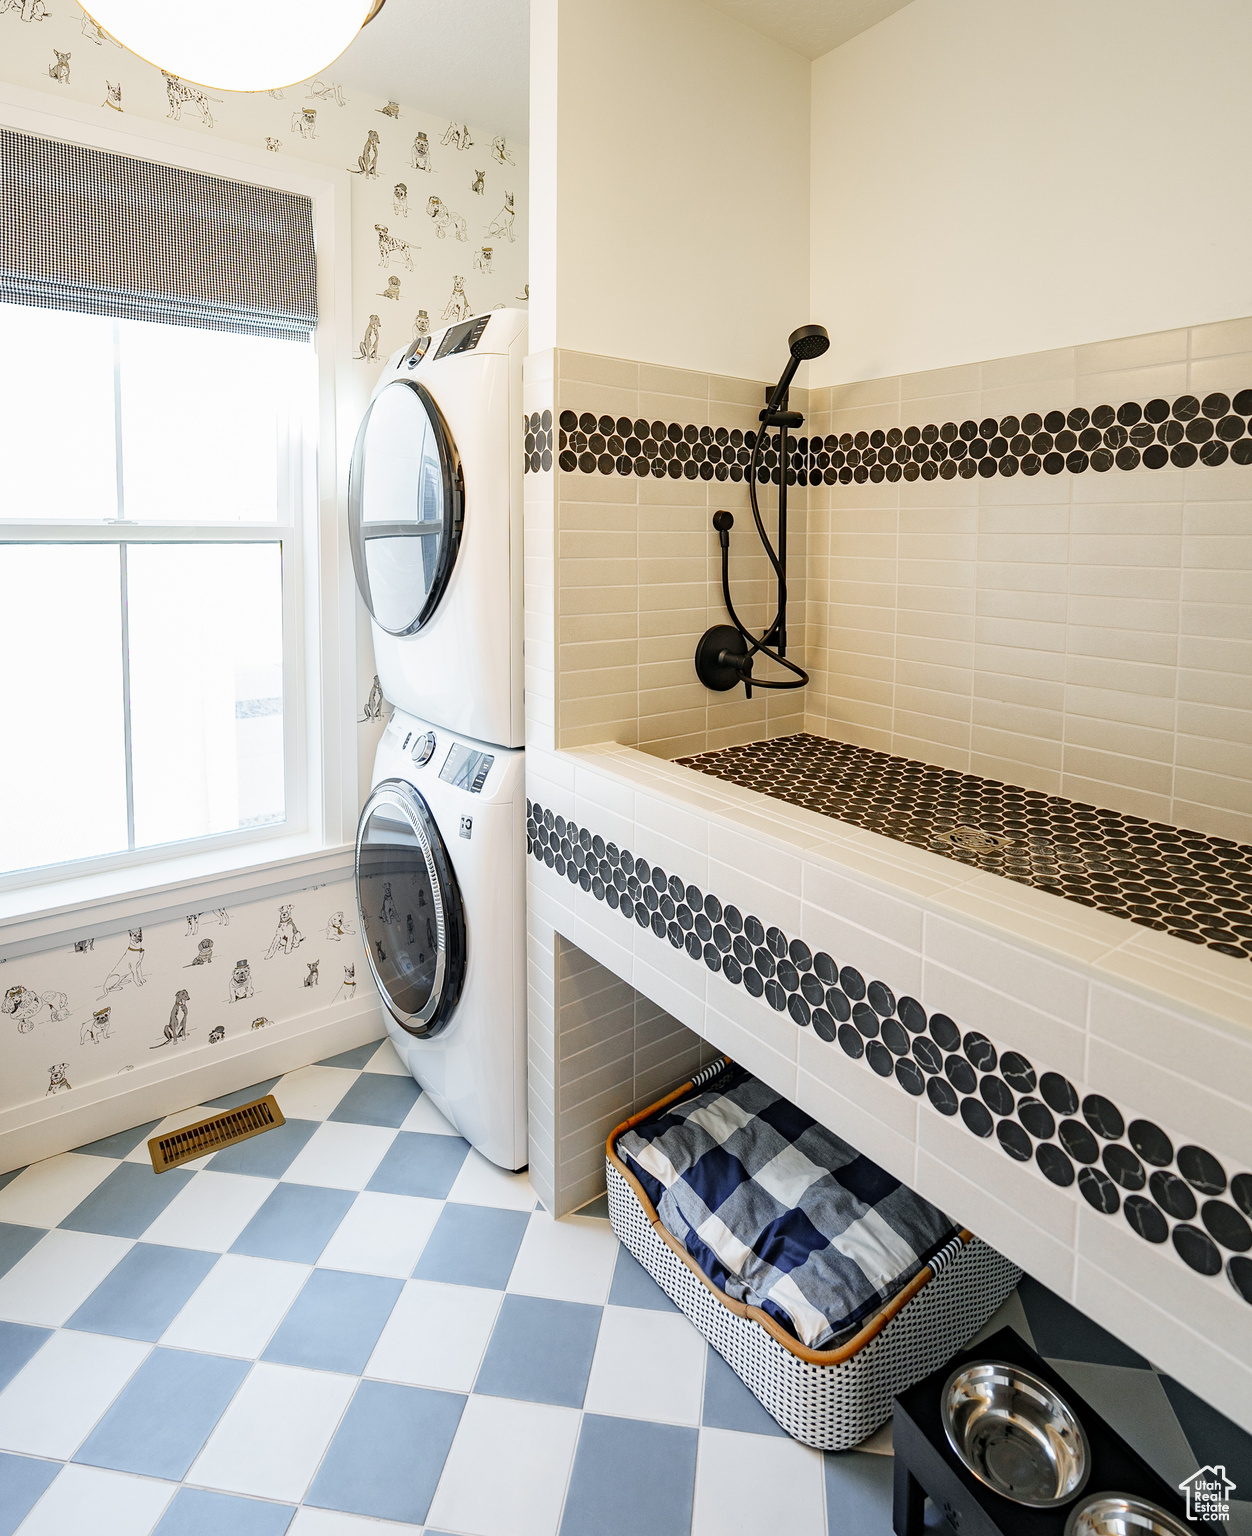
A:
83, 229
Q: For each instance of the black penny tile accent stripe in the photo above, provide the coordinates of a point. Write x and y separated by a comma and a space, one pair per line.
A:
1181, 432
537, 442
1166, 1194
1196, 887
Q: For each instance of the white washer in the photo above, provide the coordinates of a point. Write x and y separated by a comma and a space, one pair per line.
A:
441, 894
435, 514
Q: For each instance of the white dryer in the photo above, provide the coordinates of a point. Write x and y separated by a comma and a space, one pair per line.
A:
435, 513
440, 882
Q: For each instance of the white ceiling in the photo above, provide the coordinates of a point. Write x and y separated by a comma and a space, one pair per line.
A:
809, 27
464, 59
469, 59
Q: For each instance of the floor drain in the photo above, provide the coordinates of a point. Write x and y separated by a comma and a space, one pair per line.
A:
207, 1136
974, 840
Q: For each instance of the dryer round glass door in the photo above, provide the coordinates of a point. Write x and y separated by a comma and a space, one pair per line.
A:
405, 506
412, 919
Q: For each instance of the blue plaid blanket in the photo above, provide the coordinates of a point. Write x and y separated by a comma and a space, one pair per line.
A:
781, 1214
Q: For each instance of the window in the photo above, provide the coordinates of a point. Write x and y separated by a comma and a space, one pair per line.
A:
153, 480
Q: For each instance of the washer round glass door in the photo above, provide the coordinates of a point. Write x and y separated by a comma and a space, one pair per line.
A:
405, 506
412, 919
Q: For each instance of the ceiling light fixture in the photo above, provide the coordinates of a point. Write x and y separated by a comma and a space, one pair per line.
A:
236, 45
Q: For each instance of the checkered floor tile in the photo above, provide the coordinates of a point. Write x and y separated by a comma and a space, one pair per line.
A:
354, 1324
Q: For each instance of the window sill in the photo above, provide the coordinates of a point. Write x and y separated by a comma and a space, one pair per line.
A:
38, 917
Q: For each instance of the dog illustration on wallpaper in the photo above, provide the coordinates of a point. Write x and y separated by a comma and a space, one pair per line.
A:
28, 10
392, 109
421, 324
203, 956
500, 151
419, 155
524, 296
272, 144
60, 71
479, 183
445, 220
84, 946
338, 927
458, 135
374, 704
400, 199
24, 1006
368, 349
501, 227
390, 245
304, 122
367, 161
347, 988
262, 1022
287, 937
220, 914
458, 306
176, 1030
323, 90
96, 1030
482, 259
57, 1080
311, 980
95, 33
129, 968
217, 1034
392, 290
112, 95
182, 95
240, 984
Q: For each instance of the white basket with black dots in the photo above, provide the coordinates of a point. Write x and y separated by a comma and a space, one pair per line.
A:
829, 1399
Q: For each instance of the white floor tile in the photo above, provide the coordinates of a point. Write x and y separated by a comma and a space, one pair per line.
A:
45, 1193
104, 1503
312, 1092
141, 1154
385, 1059
210, 1212
648, 1365
757, 1482
237, 1306
568, 1260
425, 1117
480, 1182
329, 1522
340, 1155
507, 1470
382, 1235
435, 1336
54, 1400
269, 1441
57, 1276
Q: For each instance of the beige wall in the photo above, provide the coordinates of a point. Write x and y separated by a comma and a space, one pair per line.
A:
1088, 635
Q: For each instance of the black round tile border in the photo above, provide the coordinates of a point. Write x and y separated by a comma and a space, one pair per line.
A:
1196, 887
1088, 1140
1182, 432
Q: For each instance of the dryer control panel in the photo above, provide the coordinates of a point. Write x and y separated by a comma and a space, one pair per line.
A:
466, 768
462, 338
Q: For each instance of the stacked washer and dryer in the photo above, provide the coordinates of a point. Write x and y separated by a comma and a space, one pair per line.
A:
435, 510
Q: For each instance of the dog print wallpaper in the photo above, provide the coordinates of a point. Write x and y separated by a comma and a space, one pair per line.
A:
103, 1007
438, 221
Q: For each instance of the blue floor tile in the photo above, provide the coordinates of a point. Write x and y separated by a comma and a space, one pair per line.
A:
377, 1098
143, 1294
121, 1143
295, 1223
729, 1405
417, 1163
23, 1480
15, 1243
599, 1207
1061, 1332
241, 1095
196, 1512
18, 1342
334, 1322
164, 1414
540, 1351
631, 1477
633, 1286
7, 1178
355, 1058
1213, 1438
128, 1201
473, 1245
267, 1156
858, 1494
388, 1452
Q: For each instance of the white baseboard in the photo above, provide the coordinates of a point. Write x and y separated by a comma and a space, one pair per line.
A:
29, 1132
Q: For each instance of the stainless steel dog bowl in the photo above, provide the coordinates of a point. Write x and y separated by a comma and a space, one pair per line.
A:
1122, 1514
1015, 1433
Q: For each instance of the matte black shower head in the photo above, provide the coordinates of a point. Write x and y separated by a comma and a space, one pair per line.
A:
808, 342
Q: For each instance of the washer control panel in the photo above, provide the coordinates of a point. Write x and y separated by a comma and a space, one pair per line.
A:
466, 768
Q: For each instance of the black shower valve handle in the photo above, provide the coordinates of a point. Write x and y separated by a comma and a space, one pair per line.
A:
723, 522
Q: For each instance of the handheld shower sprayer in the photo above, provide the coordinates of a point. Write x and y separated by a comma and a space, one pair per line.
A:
725, 653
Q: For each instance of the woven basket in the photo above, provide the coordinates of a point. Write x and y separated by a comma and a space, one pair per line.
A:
830, 1399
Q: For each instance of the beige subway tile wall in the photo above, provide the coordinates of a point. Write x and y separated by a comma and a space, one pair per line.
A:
1088, 635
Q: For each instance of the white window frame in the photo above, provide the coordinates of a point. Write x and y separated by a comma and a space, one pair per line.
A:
315, 844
